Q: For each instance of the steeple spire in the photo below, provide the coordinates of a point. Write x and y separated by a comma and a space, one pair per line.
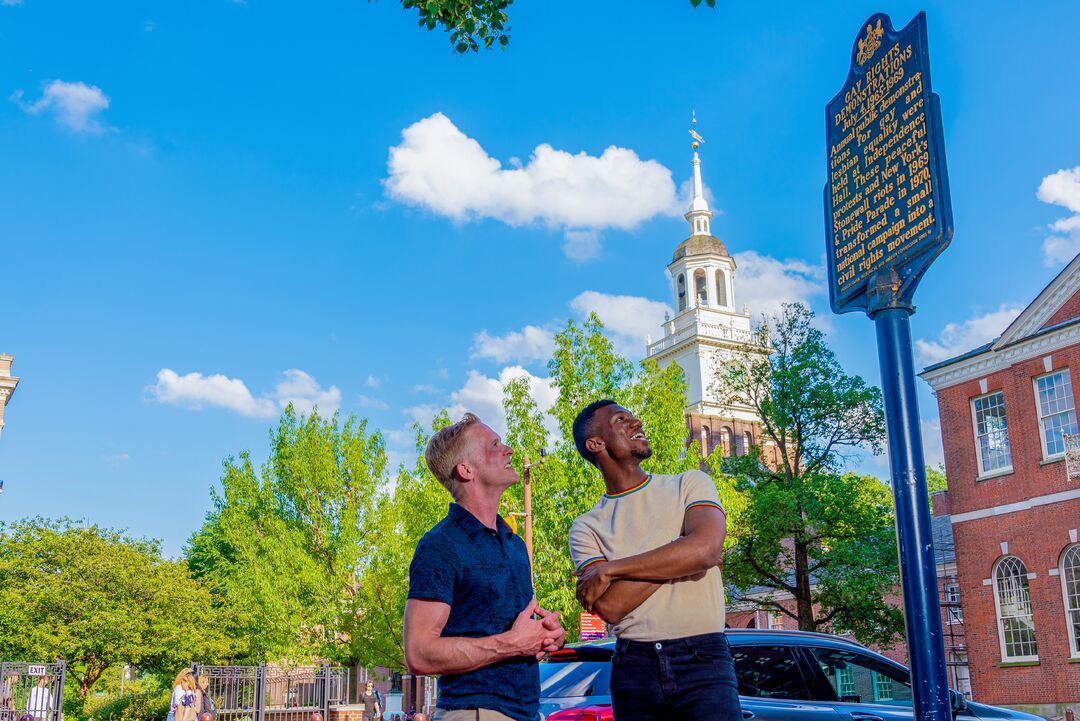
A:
699, 214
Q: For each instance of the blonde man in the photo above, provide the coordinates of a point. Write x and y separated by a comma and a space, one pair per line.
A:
470, 614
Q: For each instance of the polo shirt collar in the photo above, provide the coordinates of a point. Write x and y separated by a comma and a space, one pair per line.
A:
472, 525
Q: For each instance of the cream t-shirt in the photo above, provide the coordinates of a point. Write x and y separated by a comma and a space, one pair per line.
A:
641, 519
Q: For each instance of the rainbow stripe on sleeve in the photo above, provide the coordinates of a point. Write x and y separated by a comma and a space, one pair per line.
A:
591, 561
710, 504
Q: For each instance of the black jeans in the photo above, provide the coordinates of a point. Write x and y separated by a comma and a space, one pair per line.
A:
684, 678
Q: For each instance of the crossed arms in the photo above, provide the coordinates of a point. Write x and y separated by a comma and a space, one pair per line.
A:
612, 589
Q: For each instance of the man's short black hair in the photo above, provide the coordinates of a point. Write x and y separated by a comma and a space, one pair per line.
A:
582, 427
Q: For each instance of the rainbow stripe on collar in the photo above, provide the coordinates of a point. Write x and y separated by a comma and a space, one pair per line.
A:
628, 491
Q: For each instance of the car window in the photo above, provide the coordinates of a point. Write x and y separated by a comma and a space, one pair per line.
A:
769, 672
859, 678
575, 678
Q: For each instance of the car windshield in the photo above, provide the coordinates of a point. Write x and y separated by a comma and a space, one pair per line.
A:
562, 679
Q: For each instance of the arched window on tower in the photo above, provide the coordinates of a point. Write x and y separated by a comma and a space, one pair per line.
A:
706, 441
725, 440
1016, 628
681, 283
1070, 581
701, 293
721, 289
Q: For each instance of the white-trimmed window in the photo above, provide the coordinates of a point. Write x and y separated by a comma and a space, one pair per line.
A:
776, 620
952, 596
1057, 415
991, 433
1016, 629
1070, 586
882, 687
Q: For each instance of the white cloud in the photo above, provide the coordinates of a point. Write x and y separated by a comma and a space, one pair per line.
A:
306, 394
75, 105
530, 344
483, 395
763, 283
195, 391
372, 382
116, 458
957, 338
11, 2
1062, 188
933, 453
629, 319
581, 245
439, 168
369, 402
426, 388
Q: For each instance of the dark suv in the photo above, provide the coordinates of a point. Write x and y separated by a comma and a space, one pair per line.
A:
783, 676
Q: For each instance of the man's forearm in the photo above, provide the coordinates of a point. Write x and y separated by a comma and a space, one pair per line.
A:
687, 556
458, 654
622, 598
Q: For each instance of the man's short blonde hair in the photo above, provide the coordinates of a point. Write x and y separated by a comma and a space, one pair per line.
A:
445, 449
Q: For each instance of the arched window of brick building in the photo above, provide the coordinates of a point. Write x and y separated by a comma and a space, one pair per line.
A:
725, 440
706, 441
1016, 629
747, 441
1070, 583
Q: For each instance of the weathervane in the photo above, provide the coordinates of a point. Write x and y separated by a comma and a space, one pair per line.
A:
693, 133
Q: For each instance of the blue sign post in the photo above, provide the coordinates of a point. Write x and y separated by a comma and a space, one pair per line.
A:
887, 216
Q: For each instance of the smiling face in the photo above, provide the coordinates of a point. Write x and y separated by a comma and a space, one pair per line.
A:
489, 458
621, 434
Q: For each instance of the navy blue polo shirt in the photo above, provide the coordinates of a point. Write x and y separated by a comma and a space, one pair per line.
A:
483, 574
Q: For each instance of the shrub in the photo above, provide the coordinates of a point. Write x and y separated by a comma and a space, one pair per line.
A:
146, 706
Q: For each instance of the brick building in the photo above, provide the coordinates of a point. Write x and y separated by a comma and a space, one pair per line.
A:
1006, 408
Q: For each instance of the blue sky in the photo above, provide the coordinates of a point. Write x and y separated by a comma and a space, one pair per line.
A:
207, 209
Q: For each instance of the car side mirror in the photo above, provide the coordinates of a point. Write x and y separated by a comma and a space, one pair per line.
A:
957, 702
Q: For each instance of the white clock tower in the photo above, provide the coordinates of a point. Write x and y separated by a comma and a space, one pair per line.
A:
706, 327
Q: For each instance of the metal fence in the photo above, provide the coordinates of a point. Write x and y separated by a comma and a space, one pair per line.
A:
270, 693
32, 689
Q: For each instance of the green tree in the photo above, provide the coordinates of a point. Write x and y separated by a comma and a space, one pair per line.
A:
810, 530
473, 24
99, 598
935, 479
282, 549
415, 504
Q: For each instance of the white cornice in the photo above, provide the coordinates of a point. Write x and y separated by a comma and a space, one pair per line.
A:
1035, 316
991, 361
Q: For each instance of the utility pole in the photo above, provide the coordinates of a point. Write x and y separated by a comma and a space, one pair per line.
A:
526, 481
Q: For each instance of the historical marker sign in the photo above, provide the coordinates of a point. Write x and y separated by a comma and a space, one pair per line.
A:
887, 207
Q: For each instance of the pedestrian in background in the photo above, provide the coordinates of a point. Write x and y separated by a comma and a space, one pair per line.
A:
182, 707
206, 702
372, 701
7, 697
40, 702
